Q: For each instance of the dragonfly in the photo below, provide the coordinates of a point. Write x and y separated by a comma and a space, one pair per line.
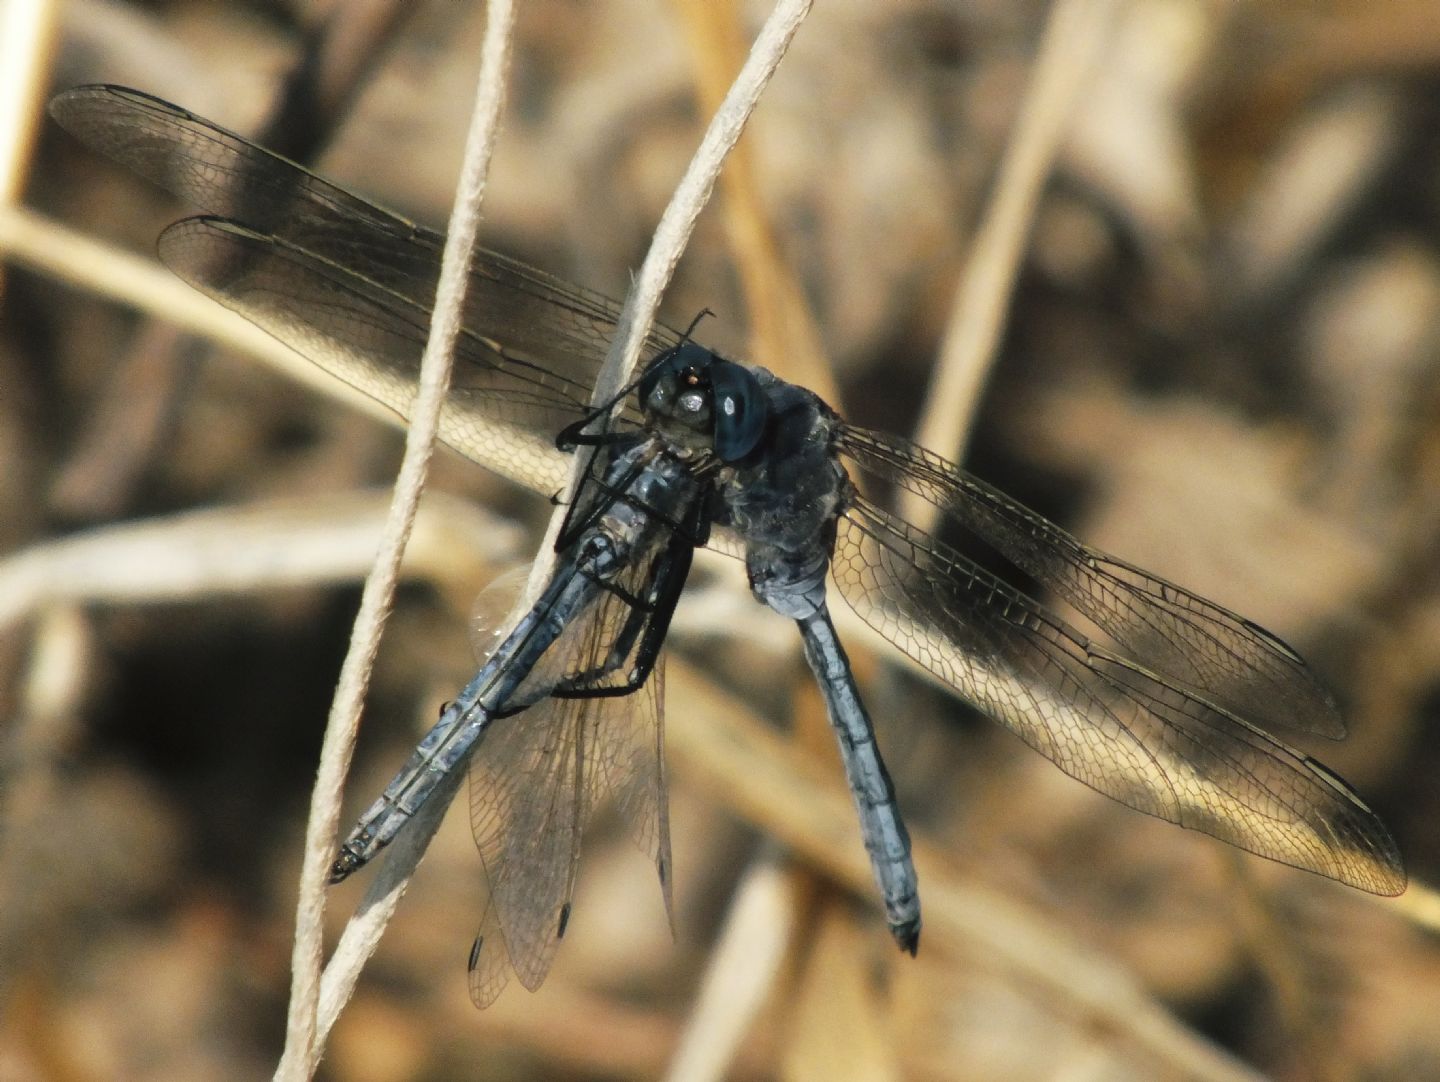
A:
1164, 701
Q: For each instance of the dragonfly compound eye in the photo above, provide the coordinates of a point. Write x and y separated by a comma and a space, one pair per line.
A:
740, 408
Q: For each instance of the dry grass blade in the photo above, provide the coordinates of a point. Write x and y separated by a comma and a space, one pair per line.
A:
1067, 54
37, 242
784, 336
1420, 905
117, 443
693, 192
234, 550
742, 969
793, 798
304, 1036
27, 28
639, 312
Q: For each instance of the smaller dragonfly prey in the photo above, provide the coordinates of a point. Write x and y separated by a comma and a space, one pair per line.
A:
1165, 705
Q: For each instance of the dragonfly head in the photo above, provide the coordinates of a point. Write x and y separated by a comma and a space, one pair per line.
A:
705, 402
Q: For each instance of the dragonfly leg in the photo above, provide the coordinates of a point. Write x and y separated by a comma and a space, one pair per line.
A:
651, 616
582, 515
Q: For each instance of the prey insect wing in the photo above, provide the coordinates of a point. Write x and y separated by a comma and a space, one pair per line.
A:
538, 777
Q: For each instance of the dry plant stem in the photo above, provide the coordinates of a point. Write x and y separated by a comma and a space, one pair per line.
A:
784, 336
743, 965
1068, 50
304, 1043
363, 931
691, 195
125, 429
671, 236
675, 227
27, 33
48, 247
1420, 905
238, 550
754, 772
674, 230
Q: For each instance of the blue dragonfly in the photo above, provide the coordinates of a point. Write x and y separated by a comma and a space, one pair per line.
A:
1166, 705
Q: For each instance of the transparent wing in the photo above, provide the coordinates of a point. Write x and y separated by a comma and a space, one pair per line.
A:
1100, 717
534, 343
539, 776
501, 415
1178, 636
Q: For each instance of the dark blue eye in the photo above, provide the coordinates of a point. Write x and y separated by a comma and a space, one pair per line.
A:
740, 410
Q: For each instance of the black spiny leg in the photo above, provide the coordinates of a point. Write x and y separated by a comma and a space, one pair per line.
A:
670, 570
571, 529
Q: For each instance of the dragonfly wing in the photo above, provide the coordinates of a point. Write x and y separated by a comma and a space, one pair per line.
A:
561, 326
489, 968
535, 340
526, 813
499, 415
629, 748
1100, 717
624, 734
1188, 640
538, 777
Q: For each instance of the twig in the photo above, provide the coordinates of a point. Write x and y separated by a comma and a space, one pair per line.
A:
304, 1038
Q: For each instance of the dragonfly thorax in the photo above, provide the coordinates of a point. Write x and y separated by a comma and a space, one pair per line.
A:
784, 499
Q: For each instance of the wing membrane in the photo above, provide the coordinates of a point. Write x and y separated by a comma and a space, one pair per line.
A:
1180, 636
499, 414
533, 343
1100, 717
537, 779
557, 325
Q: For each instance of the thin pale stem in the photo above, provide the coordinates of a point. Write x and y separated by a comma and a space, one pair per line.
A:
304, 1037
1068, 50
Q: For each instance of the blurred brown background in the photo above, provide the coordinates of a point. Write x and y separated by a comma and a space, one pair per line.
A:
1219, 363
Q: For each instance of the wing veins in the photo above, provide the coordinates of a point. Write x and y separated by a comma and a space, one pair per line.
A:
1189, 761
1194, 641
